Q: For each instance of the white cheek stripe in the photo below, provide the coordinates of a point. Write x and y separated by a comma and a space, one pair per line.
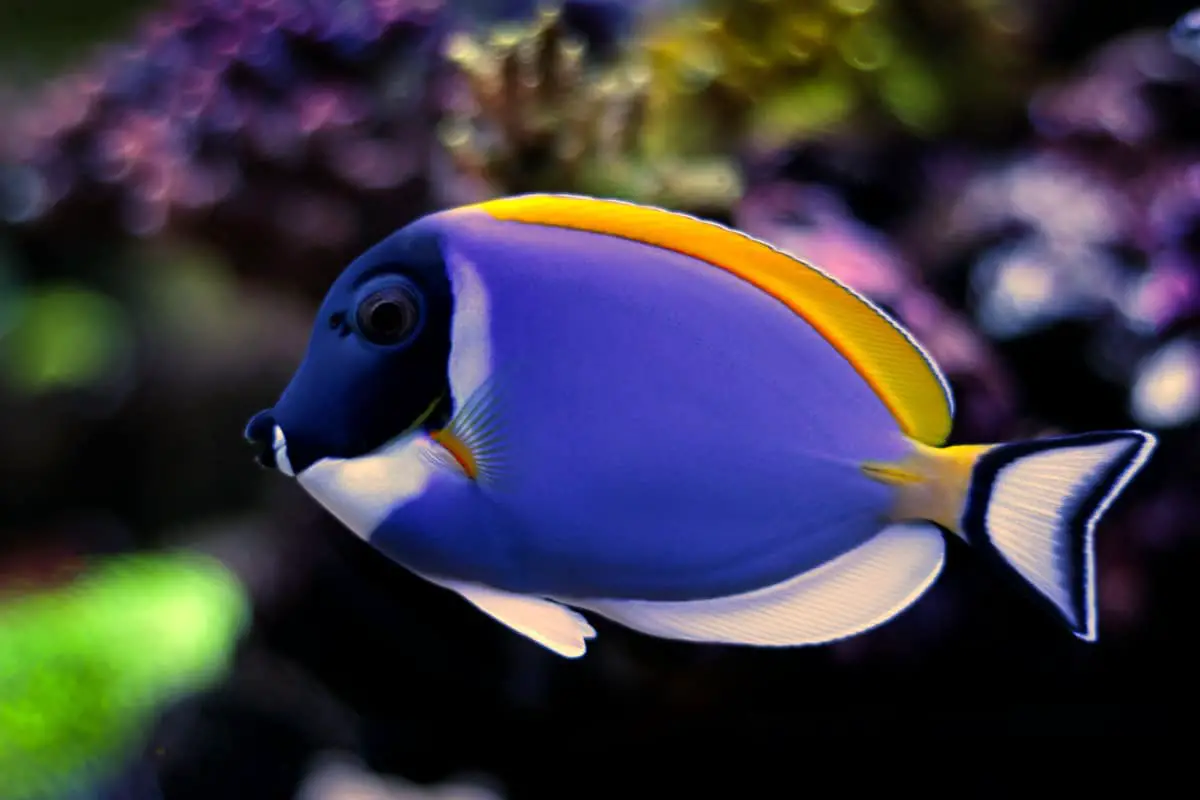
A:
470, 331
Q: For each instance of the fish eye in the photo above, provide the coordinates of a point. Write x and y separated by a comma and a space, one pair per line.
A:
390, 314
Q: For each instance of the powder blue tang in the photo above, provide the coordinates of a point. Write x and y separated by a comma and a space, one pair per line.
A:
553, 402
668, 431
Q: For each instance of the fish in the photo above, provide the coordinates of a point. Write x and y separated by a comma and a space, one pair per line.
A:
559, 406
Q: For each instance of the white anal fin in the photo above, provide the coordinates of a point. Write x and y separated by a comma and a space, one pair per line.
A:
551, 625
849, 595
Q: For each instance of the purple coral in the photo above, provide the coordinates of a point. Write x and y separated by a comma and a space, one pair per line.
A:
273, 126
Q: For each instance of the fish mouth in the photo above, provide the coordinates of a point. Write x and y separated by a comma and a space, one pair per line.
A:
279, 446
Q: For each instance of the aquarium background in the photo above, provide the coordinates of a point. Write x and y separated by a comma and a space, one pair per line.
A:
1018, 181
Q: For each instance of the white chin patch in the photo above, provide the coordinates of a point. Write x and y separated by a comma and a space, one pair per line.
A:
362, 491
281, 456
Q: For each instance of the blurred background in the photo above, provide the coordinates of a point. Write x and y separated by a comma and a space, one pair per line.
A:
1018, 181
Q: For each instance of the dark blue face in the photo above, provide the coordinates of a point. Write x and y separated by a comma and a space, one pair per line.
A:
377, 359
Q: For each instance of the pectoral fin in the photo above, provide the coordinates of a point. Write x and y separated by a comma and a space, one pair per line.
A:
472, 441
551, 625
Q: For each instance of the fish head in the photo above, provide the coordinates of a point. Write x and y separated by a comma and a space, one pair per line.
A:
376, 363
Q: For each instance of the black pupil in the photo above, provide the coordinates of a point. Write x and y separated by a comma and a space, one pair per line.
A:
388, 315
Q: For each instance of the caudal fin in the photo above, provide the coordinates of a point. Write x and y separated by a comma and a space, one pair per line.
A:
1036, 503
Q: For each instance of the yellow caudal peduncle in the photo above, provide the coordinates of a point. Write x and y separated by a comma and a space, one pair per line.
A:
932, 483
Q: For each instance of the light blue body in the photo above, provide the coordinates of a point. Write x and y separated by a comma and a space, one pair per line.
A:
668, 431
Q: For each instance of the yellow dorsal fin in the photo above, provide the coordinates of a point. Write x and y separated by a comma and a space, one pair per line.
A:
896, 368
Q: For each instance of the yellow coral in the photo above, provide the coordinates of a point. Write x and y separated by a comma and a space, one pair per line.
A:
534, 115
776, 70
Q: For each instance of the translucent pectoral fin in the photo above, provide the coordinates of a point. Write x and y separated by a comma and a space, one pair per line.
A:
551, 625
